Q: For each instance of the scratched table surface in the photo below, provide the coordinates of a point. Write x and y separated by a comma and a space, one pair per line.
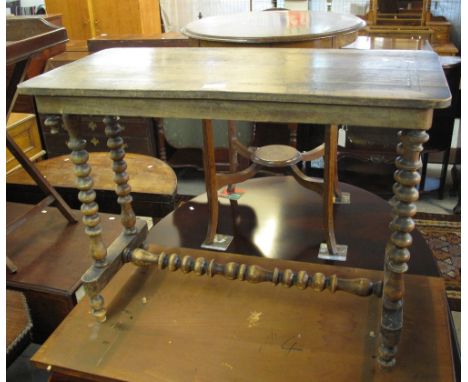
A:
386, 88
166, 326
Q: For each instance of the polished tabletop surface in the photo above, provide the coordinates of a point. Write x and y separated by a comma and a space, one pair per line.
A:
261, 27
171, 326
405, 79
286, 222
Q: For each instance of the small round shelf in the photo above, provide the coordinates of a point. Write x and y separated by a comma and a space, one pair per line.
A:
276, 156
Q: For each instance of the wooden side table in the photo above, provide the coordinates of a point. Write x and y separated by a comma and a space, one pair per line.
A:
298, 29
388, 89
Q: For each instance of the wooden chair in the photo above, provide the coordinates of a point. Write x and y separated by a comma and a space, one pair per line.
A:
155, 198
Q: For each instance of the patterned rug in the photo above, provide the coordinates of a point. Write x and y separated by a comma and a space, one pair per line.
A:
443, 235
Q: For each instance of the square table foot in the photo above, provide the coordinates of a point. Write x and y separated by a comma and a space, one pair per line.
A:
220, 243
345, 198
324, 254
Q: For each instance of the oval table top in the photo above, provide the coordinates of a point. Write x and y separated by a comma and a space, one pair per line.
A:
269, 27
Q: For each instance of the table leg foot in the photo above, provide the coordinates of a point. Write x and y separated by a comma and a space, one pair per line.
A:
340, 255
343, 198
219, 243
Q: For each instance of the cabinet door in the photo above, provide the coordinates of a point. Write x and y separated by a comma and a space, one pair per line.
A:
23, 129
126, 17
75, 17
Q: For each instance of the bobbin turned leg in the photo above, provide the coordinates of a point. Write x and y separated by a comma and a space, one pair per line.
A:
212, 239
117, 153
89, 209
397, 254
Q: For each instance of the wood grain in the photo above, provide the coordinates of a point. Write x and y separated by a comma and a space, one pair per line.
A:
18, 322
395, 118
23, 129
211, 329
18, 325
147, 174
405, 79
48, 260
75, 15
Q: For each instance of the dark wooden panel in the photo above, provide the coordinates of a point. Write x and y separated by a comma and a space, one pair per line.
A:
47, 311
139, 136
168, 39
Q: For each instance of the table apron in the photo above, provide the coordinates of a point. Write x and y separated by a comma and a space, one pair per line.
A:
259, 111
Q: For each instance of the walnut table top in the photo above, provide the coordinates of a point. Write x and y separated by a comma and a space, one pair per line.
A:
395, 89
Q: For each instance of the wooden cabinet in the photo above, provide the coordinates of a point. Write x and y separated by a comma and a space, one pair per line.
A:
84, 19
23, 129
410, 19
400, 12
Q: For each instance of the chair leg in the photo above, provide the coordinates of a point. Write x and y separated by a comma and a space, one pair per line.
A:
443, 174
293, 134
425, 159
456, 177
161, 140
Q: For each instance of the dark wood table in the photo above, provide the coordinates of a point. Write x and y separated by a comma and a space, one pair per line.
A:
279, 29
387, 89
277, 218
48, 252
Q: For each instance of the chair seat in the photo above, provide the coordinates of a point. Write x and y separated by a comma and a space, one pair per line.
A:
18, 325
153, 182
148, 175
